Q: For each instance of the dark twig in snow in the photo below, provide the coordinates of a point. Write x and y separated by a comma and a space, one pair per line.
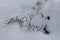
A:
45, 29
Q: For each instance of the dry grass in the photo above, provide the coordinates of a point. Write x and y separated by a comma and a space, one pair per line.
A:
15, 20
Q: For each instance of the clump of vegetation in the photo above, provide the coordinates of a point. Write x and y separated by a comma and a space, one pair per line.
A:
29, 18
15, 20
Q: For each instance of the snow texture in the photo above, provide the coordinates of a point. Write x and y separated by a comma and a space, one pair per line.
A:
24, 8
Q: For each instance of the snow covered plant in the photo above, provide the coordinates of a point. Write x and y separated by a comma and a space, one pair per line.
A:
15, 20
33, 21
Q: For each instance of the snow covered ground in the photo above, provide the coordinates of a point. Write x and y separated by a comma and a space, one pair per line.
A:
13, 8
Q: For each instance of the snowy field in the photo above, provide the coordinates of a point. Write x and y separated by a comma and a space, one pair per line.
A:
13, 8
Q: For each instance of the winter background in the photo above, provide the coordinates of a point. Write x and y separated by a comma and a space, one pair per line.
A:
21, 8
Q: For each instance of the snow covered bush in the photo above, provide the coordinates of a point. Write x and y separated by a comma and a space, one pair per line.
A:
33, 21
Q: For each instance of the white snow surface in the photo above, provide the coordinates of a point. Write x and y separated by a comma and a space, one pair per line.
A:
13, 8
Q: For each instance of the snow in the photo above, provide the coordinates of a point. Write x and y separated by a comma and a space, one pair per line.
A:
13, 8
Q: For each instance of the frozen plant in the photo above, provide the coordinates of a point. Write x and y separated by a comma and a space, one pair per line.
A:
15, 20
26, 21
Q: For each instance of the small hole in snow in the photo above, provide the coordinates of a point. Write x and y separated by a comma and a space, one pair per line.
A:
48, 17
